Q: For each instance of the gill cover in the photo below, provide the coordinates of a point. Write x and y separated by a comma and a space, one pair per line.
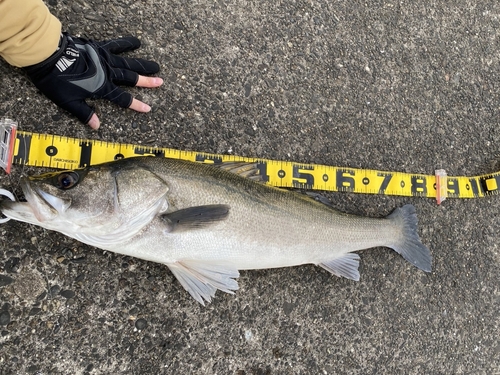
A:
99, 205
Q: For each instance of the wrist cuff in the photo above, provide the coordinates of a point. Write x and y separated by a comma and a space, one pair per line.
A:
44, 66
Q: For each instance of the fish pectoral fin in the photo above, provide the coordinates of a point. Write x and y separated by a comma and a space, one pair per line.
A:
195, 217
345, 266
201, 279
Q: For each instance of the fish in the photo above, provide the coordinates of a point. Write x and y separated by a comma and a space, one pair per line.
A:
207, 222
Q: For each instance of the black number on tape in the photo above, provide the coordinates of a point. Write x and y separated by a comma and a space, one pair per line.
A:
149, 151
22, 156
489, 188
453, 187
387, 178
262, 167
418, 185
85, 154
345, 180
297, 173
204, 157
474, 186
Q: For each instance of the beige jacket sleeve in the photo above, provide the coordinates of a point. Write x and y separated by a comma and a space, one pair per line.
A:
29, 34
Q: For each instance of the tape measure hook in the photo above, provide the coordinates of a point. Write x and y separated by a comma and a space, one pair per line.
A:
8, 129
441, 185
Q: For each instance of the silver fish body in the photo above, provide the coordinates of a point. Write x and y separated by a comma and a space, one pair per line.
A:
206, 223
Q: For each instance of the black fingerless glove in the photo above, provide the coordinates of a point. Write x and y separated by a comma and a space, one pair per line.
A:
82, 68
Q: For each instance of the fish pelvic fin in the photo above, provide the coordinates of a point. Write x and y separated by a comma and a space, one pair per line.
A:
345, 266
202, 279
409, 244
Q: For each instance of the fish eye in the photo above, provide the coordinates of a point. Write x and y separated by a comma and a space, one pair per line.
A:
67, 180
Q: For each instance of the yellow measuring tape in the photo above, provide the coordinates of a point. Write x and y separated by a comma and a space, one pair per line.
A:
44, 150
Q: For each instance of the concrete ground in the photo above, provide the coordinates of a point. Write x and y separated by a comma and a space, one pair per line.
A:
392, 85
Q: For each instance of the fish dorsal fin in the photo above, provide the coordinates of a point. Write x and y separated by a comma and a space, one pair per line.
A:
345, 266
195, 217
202, 279
319, 198
242, 168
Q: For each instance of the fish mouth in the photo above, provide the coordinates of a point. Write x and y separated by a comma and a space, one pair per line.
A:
40, 206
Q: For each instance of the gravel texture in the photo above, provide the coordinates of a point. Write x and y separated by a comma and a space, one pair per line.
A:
392, 85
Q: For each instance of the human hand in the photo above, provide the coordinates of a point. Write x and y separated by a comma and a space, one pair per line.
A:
83, 69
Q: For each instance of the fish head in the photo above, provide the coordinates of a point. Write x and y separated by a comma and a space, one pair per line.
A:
102, 199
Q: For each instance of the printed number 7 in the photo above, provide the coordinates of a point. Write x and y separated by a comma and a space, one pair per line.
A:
387, 178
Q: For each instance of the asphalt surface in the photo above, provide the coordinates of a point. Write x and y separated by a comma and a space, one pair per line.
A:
392, 85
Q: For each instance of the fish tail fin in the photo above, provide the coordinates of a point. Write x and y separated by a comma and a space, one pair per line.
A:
409, 244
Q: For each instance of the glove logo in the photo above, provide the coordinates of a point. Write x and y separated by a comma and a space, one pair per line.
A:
68, 59
95, 81
64, 63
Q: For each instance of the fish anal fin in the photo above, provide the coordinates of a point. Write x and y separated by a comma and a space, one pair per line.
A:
195, 217
345, 266
202, 279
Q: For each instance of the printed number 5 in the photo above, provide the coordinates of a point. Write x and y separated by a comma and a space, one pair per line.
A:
304, 176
